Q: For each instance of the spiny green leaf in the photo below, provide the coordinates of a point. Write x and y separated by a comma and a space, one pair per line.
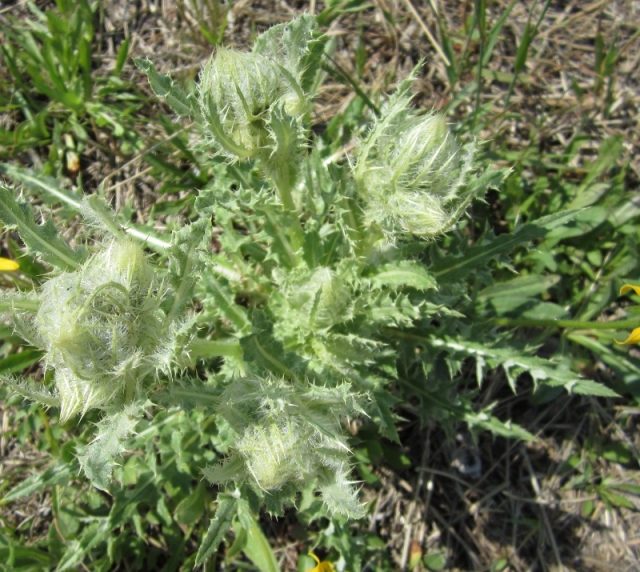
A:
219, 302
515, 362
58, 474
220, 525
40, 239
266, 353
31, 390
404, 273
98, 457
163, 86
453, 269
39, 182
294, 45
188, 246
496, 426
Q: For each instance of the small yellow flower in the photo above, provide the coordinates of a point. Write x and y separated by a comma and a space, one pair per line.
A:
6, 264
322, 566
634, 337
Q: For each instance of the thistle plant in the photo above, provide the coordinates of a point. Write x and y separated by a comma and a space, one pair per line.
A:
333, 292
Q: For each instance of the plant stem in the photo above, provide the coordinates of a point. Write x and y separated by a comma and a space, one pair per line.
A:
568, 324
283, 178
28, 305
228, 347
296, 234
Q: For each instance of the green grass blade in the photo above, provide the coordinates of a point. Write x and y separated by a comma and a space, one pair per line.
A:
121, 58
495, 33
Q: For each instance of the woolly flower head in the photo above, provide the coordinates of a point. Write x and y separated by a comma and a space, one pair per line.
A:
289, 437
236, 91
99, 327
410, 171
312, 300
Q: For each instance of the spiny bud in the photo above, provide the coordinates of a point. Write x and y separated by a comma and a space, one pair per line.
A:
99, 327
318, 298
236, 91
410, 170
289, 436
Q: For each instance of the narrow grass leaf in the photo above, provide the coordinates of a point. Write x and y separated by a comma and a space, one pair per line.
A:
495, 33
58, 474
523, 286
121, 58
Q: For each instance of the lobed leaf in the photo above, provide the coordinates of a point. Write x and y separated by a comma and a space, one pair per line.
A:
163, 86
97, 458
42, 239
455, 268
220, 525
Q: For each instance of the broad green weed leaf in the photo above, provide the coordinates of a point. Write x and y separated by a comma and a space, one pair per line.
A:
19, 362
220, 525
24, 558
192, 507
127, 499
258, 549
